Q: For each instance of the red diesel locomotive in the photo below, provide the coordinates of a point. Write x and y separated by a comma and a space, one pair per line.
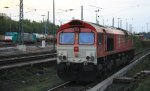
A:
87, 50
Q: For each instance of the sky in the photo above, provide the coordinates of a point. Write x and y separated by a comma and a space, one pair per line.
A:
135, 12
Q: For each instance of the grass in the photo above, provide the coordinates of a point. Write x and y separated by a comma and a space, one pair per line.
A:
29, 79
143, 85
143, 65
137, 42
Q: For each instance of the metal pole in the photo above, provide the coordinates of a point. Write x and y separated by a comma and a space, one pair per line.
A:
118, 22
130, 27
21, 23
147, 27
113, 21
47, 23
126, 25
97, 16
44, 26
54, 24
82, 13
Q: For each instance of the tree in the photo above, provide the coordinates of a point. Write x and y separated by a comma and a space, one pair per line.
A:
29, 26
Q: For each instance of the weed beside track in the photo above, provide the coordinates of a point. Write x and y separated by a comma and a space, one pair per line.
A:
30, 78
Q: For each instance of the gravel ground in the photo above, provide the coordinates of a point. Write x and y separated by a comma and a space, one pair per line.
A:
30, 78
29, 49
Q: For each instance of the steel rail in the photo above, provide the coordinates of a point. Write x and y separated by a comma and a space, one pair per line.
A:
26, 57
26, 63
27, 60
58, 86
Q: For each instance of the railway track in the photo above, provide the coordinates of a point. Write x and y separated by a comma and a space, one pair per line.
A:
26, 59
36, 58
30, 58
83, 86
7, 44
72, 86
14, 55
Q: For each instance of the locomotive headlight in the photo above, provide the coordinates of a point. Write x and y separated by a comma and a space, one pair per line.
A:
87, 57
60, 57
90, 55
64, 57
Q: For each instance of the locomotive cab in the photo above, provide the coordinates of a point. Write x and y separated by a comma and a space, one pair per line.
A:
76, 47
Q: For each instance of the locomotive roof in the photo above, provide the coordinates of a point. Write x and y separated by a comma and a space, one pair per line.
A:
95, 27
108, 29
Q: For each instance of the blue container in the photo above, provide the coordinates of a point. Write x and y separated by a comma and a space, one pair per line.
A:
14, 36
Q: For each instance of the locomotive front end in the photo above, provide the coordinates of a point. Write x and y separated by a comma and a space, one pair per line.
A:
76, 52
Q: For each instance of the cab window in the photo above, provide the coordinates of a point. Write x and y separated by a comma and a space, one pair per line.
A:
67, 38
86, 38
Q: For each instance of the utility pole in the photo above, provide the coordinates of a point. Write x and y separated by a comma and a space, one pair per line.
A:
44, 25
47, 24
21, 23
147, 27
82, 13
103, 22
113, 21
126, 25
130, 28
54, 24
97, 22
118, 22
